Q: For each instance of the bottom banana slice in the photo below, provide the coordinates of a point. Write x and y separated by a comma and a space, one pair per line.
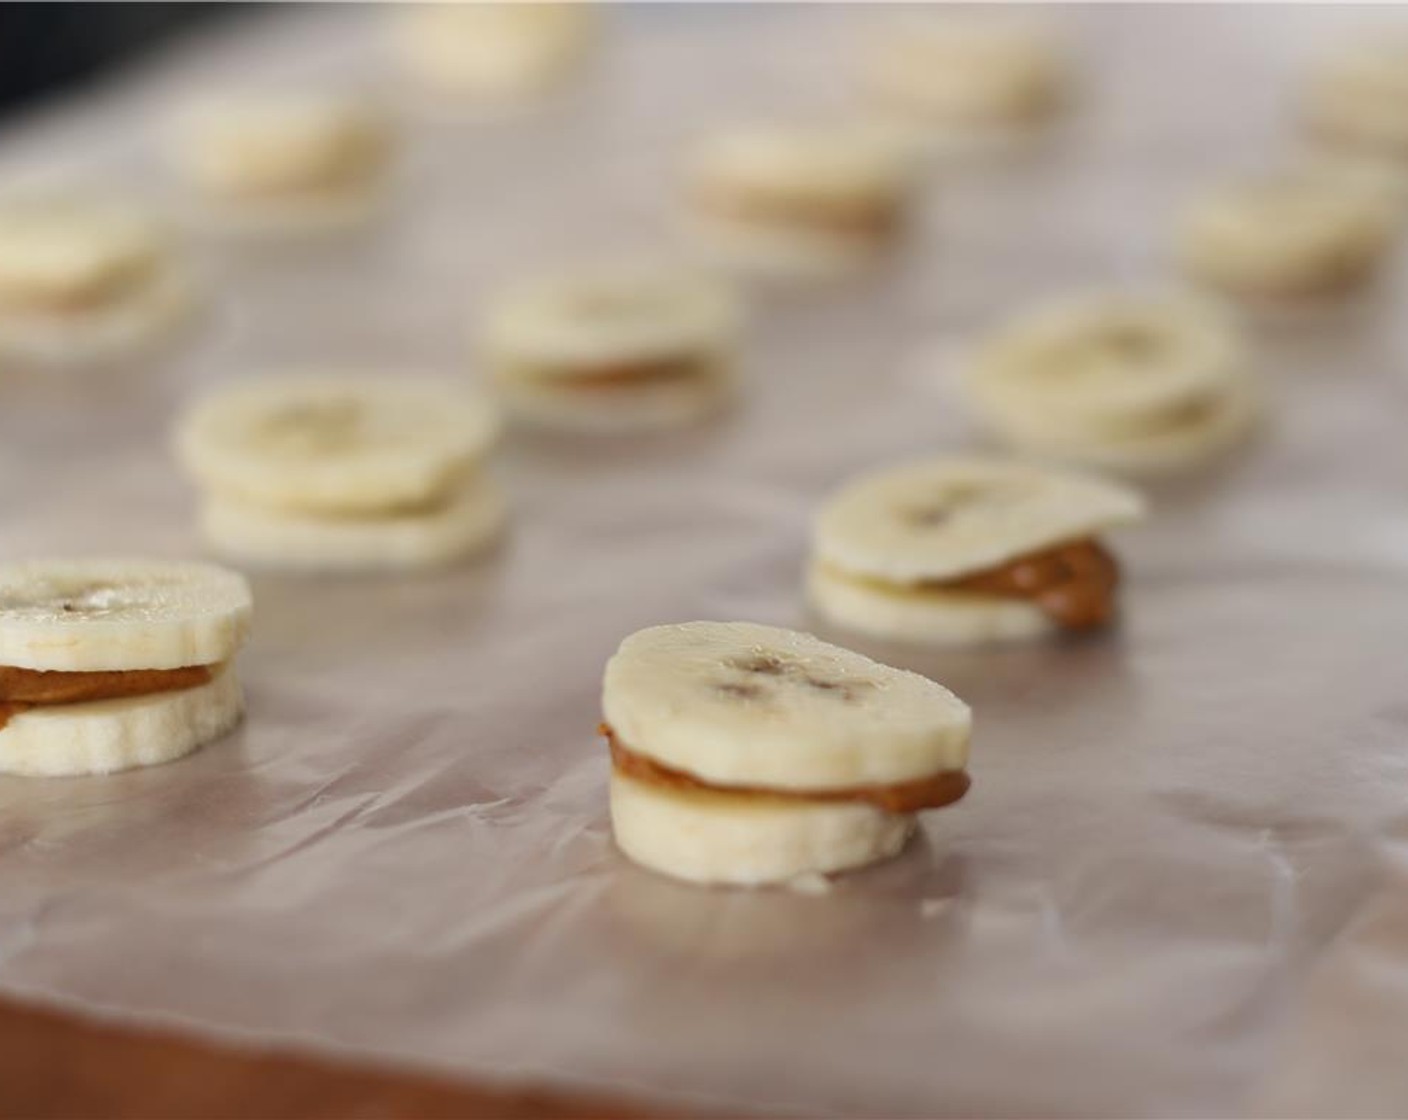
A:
647, 406
421, 539
1222, 423
753, 250
709, 837
930, 617
107, 735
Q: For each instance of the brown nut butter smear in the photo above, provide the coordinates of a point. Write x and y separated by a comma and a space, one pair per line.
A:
878, 219
934, 792
21, 689
1073, 583
628, 374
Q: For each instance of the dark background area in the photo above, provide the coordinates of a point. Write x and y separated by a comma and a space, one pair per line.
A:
47, 47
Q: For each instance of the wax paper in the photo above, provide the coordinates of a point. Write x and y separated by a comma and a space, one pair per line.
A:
1180, 882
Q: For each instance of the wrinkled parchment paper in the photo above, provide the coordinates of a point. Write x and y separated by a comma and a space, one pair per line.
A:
1180, 884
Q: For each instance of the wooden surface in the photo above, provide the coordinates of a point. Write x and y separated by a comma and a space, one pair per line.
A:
54, 1065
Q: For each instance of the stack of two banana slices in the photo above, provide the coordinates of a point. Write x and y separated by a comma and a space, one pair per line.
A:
273, 165
794, 201
613, 346
747, 754
344, 473
955, 552
968, 83
110, 664
1299, 234
85, 277
492, 52
1132, 384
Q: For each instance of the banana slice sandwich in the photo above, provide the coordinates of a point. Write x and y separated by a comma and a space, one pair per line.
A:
747, 754
1358, 97
967, 79
110, 664
797, 202
343, 473
1292, 235
955, 552
84, 278
1140, 385
613, 347
492, 51
271, 165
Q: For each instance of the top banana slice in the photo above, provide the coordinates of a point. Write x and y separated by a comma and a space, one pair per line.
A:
940, 519
94, 615
319, 444
1104, 361
737, 704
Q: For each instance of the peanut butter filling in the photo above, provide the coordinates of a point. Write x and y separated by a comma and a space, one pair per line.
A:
623, 375
21, 689
933, 792
1073, 583
80, 297
876, 218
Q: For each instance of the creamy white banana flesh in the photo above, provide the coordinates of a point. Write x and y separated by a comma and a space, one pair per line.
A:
492, 50
772, 750
707, 837
471, 520
94, 615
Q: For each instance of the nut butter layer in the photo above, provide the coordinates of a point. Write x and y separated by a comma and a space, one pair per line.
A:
933, 792
22, 689
1073, 583
878, 218
624, 375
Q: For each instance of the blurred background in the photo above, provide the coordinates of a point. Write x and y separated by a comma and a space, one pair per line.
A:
47, 47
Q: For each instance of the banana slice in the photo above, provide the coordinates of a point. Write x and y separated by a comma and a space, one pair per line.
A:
1292, 235
108, 735
796, 201
968, 75
84, 278
471, 520
708, 837
1123, 382
618, 346
933, 618
493, 50
89, 615
966, 551
273, 164
337, 446
1359, 97
744, 753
